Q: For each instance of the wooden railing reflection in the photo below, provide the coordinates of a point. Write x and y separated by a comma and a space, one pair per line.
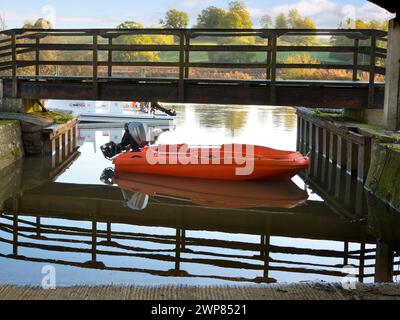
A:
95, 243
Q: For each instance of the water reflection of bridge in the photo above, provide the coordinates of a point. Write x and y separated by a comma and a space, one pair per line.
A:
26, 224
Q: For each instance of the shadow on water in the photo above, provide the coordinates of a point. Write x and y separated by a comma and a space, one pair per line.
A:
151, 231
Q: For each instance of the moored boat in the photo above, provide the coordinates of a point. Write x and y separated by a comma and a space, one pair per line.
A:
226, 162
215, 163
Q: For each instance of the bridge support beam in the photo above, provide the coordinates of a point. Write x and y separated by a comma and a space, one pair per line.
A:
392, 89
10, 104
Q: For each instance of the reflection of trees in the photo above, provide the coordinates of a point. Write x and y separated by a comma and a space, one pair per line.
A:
221, 117
236, 120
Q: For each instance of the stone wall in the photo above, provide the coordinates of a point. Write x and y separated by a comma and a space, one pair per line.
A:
384, 174
10, 181
11, 147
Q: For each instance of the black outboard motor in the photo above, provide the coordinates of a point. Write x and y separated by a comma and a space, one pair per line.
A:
136, 136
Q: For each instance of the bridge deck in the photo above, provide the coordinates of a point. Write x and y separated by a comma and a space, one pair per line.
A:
296, 93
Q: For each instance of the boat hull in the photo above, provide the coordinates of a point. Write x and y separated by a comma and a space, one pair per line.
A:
264, 164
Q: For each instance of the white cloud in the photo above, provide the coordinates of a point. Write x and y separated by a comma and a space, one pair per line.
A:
326, 13
196, 3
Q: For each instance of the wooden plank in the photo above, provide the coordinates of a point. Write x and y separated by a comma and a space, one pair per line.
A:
181, 90
274, 43
14, 67
187, 55
110, 58
372, 70
339, 160
349, 165
310, 136
324, 142
317, 139
95, 67
361, 163
37, 57
355, 59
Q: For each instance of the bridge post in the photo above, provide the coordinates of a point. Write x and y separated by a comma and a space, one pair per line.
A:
392, 88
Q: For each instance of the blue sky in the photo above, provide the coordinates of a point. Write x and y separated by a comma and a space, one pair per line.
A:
108, 14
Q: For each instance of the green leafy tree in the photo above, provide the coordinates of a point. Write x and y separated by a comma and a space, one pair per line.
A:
281, 21
238, 16
132, 40
344, 41
294, 20
211, 18
175, 19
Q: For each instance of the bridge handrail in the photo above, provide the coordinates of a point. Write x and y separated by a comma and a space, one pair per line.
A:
15, 42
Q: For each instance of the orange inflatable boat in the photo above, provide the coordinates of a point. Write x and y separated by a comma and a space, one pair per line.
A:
219, 194
227, 162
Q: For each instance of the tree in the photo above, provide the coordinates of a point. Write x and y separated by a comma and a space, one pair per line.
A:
175, 19
211, 18
238, 16
281, 21
266, 22
135, 39
344, 41
295, 21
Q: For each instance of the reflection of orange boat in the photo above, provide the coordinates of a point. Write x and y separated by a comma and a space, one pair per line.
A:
219, 163
222, 194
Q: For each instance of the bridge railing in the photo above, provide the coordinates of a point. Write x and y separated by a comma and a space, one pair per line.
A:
230, 55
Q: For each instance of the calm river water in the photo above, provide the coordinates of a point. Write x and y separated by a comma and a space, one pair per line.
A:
320, 227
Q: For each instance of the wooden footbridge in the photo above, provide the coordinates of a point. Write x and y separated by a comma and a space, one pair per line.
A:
195, 66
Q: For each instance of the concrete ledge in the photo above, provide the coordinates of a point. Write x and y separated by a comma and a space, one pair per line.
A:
304, 291
11, 147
